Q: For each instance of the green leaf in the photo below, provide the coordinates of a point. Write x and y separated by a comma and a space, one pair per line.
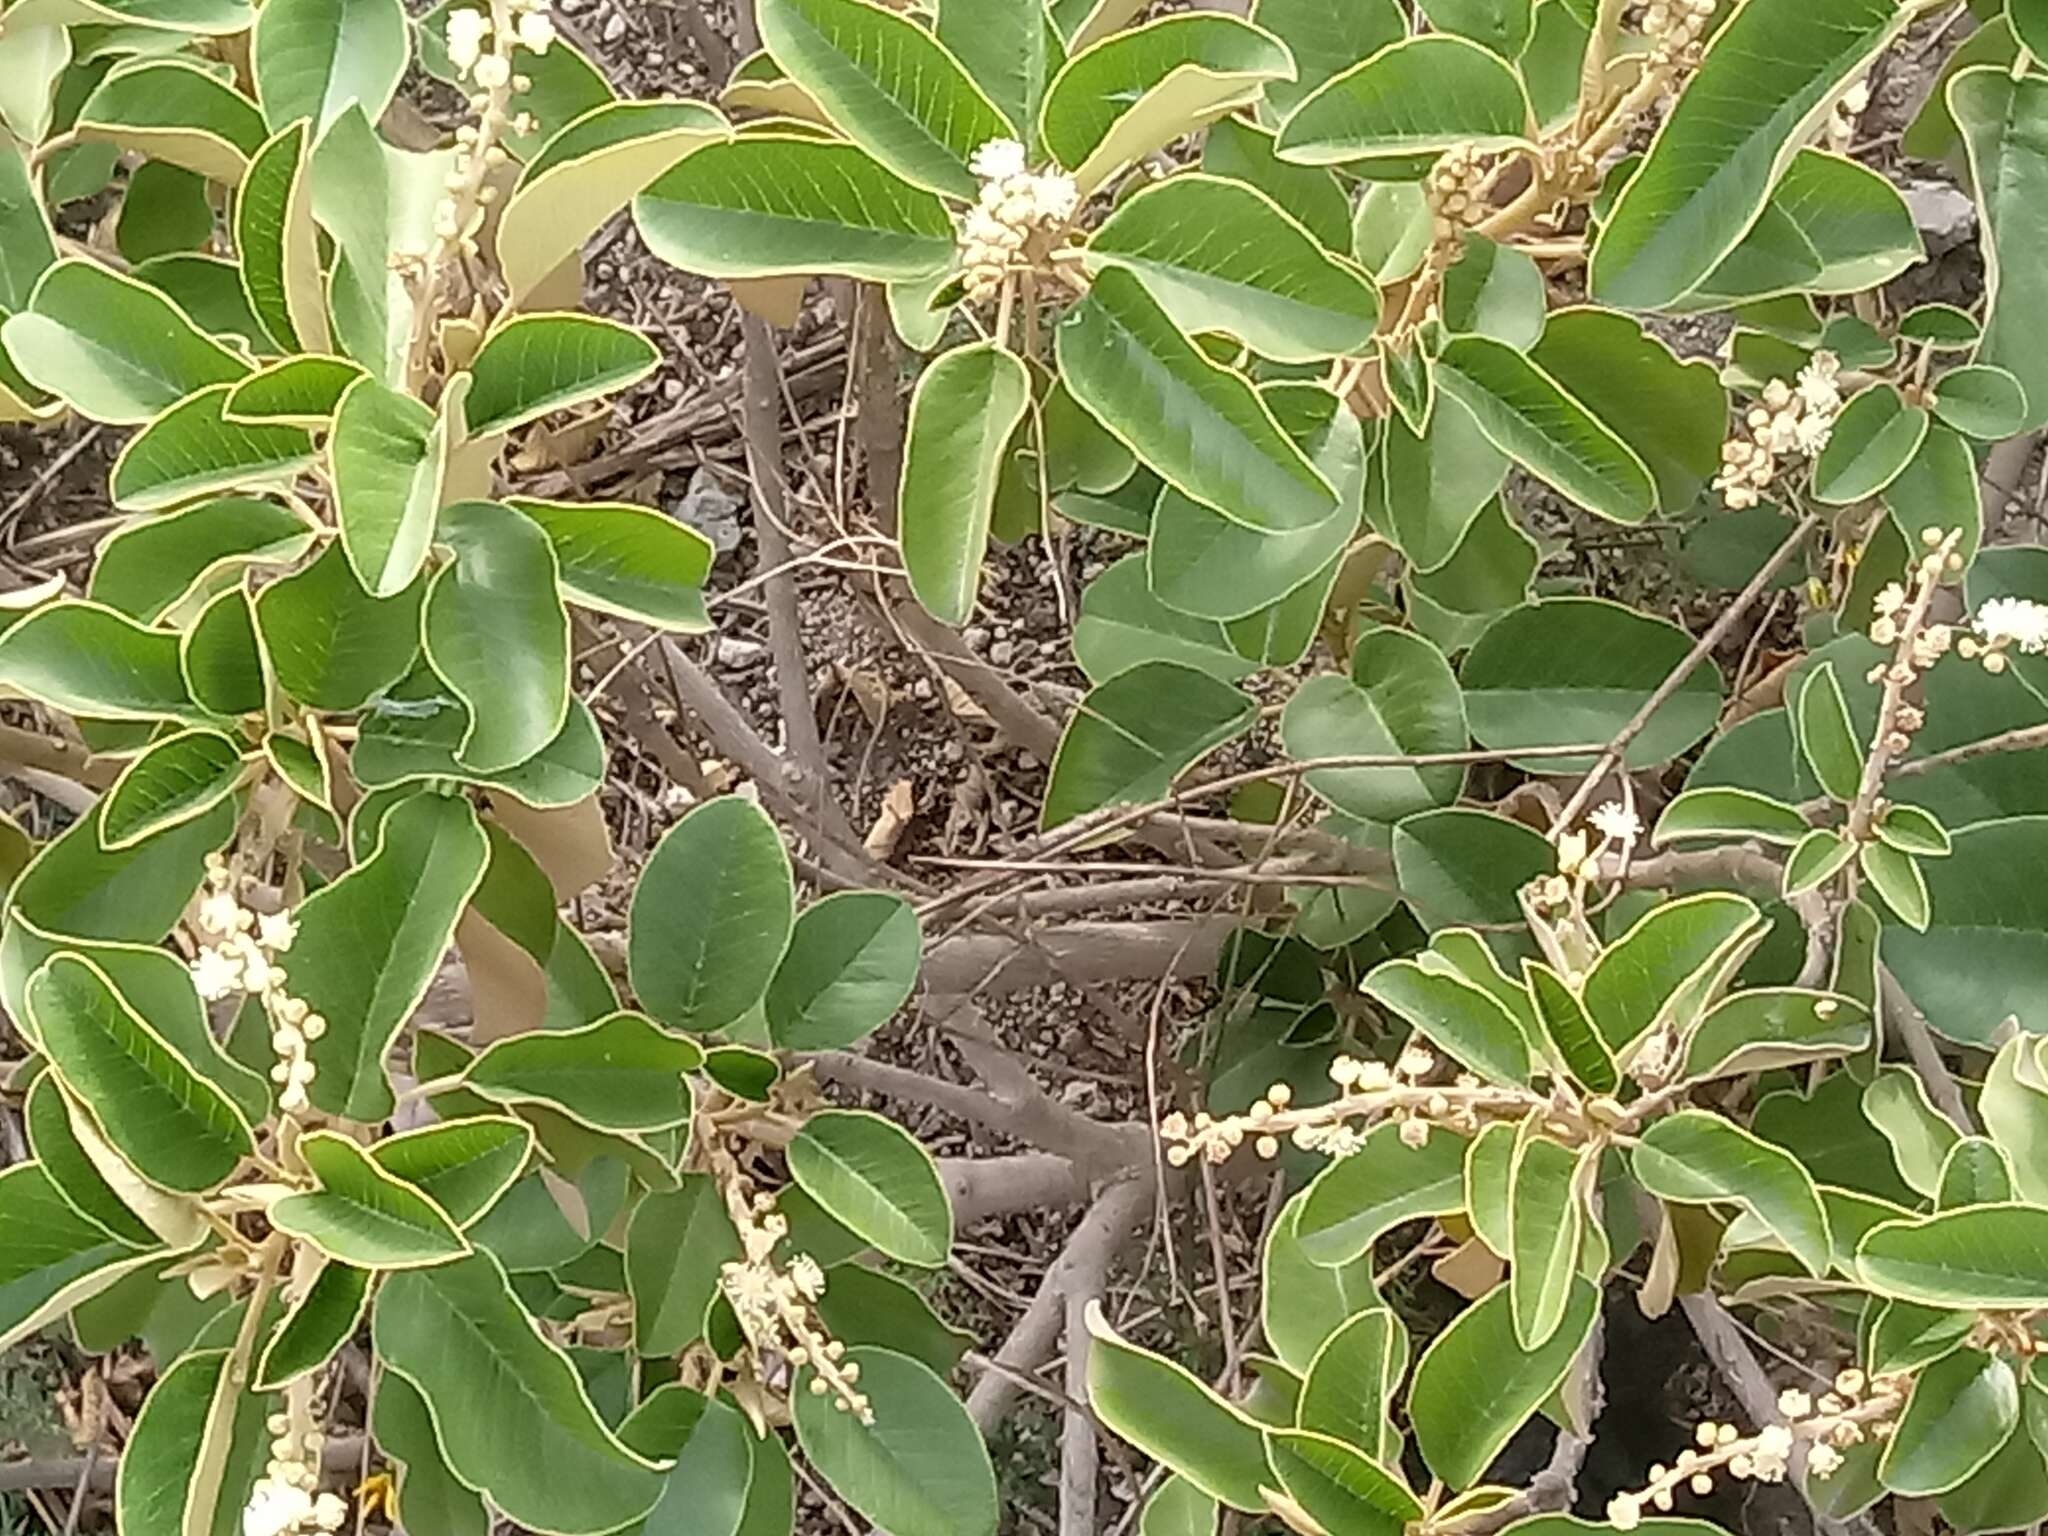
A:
1123, 624
1201, 426
497, 634
1344, 1491
631, 562
1977, 1172
323, 1320
1936, 490
1981, 401
1874, 439
1668, 411
222, 659
1139, 89
675, 1246
768, 206
2014, 1108
1494, 290
1981, 1256
1768, 78
1011, 51
371, 941
1351, 1382
711, 917
1464, 1020
888, 85
1133, 735
1770, 1027
1978, 961
619, 1074
112, 348
362, 1215
1897, 877
1698, 1158
457, 1331
920, 1468
1219, 255
1963, 1407
1421, 95
963, 413
334, 646
55, 1143
1566, 670
1302, 1302
388, 454
397, 747
1475, 1386
300, 390
1525, 414
278, 243
52, 1258
2002, 121
1546, 1222
851, 963
1432, 488
463, 1166
1400, 700
1729, 812
314, 58
430, 1494
1570, 1029
534, 364
1178, 1508
1854, 218
193, 449
1464, 866
171, 109
876, 1181
167, 1481
144, 1098
1325, 40
1384, 1183
1827, 739
589, 171
712, 1447
176, 779
95, 662
1921, 1137
1172, 1417
1204, 563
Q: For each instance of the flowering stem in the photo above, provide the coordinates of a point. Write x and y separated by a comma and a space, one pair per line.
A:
1889, 741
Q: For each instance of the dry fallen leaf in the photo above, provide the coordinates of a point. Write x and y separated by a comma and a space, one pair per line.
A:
869, 691
898, 806
1471, 1269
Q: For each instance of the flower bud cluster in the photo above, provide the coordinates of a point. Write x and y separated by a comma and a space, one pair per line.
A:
775, 1302
1788, 421
240, 956
1015, 204
1900, 622
1372, 1092
286, 1500
1856, 1409
1674, 29
528, 26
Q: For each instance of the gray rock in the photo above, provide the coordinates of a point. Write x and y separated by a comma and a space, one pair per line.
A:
734, 652
1944, 216
712, 510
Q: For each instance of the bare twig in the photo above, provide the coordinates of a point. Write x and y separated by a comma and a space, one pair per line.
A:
1904, 1022
1702, 649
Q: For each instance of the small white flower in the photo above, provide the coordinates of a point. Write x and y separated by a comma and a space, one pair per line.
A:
809, 1277
1810, 434
1057, 197
220, 913
1571, 852
1624, 1512
1817, 386
998, 160
1794, 1404
2014, 621
466, 33
275, 931
329, 1512
1773, 1445
536, 32
216, 973
493, 72
1823, 1460
1617, 821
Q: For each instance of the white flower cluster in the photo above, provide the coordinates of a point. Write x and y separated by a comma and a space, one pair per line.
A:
1788, 420
1674, 28
470, 30
286, 1500
1848, 110
1857, 1408
2006, 623
1015, 204
774, 1305
240, 956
